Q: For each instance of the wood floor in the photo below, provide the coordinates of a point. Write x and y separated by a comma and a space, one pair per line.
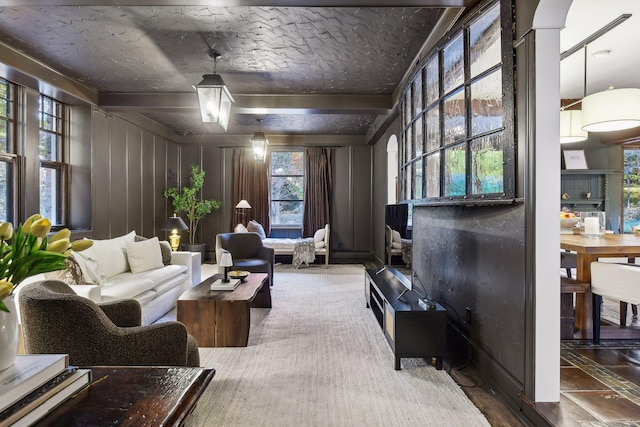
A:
599, 385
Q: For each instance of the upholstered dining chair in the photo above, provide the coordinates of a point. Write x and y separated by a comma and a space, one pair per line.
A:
248, 252
620, 282
56, 320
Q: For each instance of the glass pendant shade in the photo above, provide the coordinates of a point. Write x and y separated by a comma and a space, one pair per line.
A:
215, 100
259, 143
571, 126
611, 110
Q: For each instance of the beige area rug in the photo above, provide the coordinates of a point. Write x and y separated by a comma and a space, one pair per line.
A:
319, 358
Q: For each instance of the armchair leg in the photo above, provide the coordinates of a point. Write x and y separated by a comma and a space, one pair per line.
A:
597, 306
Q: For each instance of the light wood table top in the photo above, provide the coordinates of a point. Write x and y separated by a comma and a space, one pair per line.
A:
589, 250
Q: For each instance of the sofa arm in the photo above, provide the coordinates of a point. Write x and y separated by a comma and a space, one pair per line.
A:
187, 259
91, 292
124, 313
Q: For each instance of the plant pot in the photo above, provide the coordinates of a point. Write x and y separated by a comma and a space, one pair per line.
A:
8, 333
196, 247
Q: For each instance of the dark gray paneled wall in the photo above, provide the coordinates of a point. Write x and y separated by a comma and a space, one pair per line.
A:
475, 257
131, 167
80, 168
351, 214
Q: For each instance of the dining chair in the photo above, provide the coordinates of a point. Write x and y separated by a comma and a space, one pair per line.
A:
617, 282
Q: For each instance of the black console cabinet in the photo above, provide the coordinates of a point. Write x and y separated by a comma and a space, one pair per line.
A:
411, 330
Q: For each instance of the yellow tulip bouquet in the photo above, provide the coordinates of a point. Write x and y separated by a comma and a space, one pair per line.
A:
30, 252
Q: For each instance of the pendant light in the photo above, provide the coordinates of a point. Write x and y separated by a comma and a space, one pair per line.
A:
611, 110
259, 142
571, 120
214, 97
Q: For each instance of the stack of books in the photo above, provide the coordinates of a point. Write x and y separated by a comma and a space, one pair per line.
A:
35, 385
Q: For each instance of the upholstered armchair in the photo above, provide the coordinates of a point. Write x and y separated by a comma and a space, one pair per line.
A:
248, 252
56, 320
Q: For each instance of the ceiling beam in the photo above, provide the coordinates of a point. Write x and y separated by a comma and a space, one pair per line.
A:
243, 3
251, 104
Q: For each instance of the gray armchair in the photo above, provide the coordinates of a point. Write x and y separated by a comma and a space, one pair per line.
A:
248, 252
56, 320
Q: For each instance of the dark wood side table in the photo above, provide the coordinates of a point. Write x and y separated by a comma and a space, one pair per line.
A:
133, 396
222, 318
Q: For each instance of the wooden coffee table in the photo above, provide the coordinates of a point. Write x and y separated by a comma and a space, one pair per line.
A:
133, 396
222, 318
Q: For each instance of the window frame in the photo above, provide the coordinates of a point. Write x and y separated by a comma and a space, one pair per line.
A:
9, 156
465, 138
272, 222
60, 164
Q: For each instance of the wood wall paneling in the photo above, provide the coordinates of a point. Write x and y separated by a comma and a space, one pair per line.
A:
148, 186
134, 180
80, 168
119, 192
101, 175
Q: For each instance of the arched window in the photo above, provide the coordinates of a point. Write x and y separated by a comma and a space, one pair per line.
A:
392, 170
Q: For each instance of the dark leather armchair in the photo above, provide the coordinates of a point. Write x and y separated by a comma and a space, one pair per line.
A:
248, 252
56, 320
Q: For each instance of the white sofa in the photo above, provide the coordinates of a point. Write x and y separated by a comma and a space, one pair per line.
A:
121, 268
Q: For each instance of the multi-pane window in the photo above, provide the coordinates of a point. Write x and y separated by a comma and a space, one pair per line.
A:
7, 155
52, 166
287, 188
454, 140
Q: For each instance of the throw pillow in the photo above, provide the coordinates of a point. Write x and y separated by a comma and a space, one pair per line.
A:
240, 228
72, 275
111, 254
318, 237
165, 249
256, 227
88, 263
144, 255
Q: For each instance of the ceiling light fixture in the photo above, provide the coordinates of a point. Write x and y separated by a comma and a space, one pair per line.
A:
611, 110
259, 142
214, 97
571, 126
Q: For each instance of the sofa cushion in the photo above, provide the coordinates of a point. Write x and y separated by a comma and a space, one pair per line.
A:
165, 248
318, 237
256, 227
126, 288
144, 256
111, 254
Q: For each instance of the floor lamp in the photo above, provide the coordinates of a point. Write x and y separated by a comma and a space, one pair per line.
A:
241, 211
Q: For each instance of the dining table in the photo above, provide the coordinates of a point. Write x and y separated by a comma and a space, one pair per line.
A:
589, 250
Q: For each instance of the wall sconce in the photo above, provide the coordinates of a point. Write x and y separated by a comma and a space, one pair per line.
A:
174, 224
214, 97
241, 211
259, 142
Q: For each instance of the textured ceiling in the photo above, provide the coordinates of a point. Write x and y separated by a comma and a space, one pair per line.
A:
266, 50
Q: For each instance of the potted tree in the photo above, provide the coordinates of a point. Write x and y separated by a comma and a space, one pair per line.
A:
187, 199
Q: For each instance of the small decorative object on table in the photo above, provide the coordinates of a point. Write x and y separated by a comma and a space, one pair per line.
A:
239, 274
29, 253
592, 224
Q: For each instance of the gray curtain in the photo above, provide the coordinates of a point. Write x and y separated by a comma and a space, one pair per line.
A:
318, 187
251, 183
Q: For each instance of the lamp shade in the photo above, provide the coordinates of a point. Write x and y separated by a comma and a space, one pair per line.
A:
225, 259
174, 223
571, 126
243, 204
259, 143
215, 100
611, 110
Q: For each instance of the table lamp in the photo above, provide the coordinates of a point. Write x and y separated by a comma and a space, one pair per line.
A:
226, 261
174, 224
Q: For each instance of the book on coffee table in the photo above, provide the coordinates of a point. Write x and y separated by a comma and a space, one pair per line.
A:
27, 373
219, 285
